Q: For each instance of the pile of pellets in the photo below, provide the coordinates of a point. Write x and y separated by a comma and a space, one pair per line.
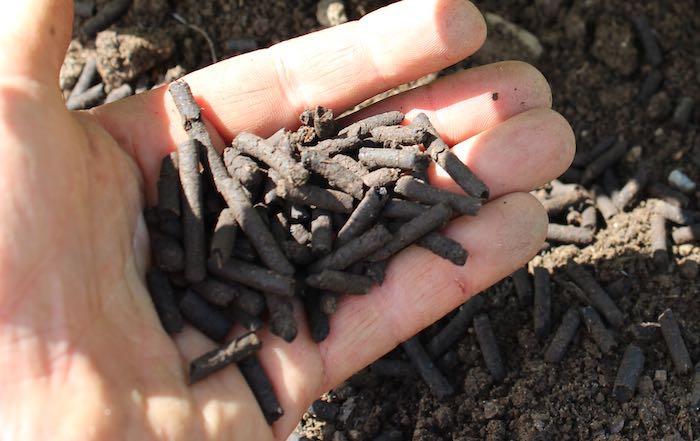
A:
309, 215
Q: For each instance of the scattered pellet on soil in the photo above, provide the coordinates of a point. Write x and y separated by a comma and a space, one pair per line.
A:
602, 162
489, 347
542, 307
437, 382
456, 327
687, 234
667, 194
598, 297
564, 335
523, 286
597, 330
109, 13
674, 342
628, 374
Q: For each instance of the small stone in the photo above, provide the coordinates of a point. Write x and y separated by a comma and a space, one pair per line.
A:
331, 13
660, 375
634, 154
685, 250
491, 409
681, 181
617, 424
689, 269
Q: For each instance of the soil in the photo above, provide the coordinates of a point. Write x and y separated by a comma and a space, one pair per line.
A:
592, 56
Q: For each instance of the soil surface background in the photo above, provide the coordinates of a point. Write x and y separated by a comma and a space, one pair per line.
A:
595, 64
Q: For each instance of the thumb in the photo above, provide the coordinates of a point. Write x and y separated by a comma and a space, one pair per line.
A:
34, 36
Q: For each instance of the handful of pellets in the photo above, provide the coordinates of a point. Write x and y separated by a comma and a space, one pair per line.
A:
305, 215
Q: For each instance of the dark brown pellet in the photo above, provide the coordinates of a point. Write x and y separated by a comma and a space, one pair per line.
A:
630, 190
364, 216
444, 247
542, 307
204, 317
399, 135
676, 214
244, 250
523, 286
87, 77
106, 15
597, 330
686, 234
282, 321
324, 410
83, 9
385, 367
224, 238
254, 276
582, 159
489, 347
418, 191
321, 232
611, 183
572, 174
317, 318
337, 281
628, 374
596, 294
363, 127
322, 121
337, 175
394, 158
683, 111
650, 85
88, 99
604, 203
411, 231
570, 234
217, 359
332, 147
456, 328
674, 342
249, 322
438, 384
602, 162
562, 201
307, 194
648, 40
401, 209
259, 383
668, 194
381, 177
589, 218
658, 242
168, 254
286, 166
646, 331
365, 245
247, 300
169, 190
695, 392
448, 161
215, 292
119, 93
192, 216
244, 169
564, 335
164, 301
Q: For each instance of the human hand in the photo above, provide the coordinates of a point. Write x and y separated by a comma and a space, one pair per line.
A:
82, 353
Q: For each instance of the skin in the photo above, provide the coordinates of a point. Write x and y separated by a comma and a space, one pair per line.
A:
82, 354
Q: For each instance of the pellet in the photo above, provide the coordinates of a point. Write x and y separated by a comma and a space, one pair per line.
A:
596, 294
650, 85
106, 15
445, 247
87, 77
164, 301
337, 281
385, 367
603, 202
217, 359
215, 292
365, 245
402, 209
254, 276
542, 307
403, 135
204, 317
168, 254
282, 321
364, 216
332, 147
317, 318
297, 253
261, 387
169, 190
260, 149
562, 201
628, 374
363, 127
686, 234
564, 335
119, 93
456, 328
523, 286
674, 342
351, 164
683, 111
597, 330
418, 191
681, 181
448, 161
192, 216
668, 195
307, 194
658, 242
321, 232
433, 219
337, 175
646, 331
88, 99
648, 40
572, 174
244, 250
321, 119
394, 158
589, 218
489, 347
602, 162
376, 271
582, 159
224, 237
84, 9
381, 177
570, 234
437, 383
631, 190
244, 169
695, 392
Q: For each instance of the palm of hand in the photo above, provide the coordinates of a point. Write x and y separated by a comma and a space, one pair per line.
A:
79, 340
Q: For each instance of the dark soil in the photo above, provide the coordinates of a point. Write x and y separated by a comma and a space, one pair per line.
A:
595, 64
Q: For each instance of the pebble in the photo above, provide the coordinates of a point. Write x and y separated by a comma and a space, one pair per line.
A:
681, 181
331, 13
661, 375
491, 409
617, 424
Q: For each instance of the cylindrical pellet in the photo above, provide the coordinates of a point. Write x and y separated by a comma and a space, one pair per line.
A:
658, 242
676, 214
668, 194
321, 232
307, 194
589, 218
437, 382
523, 286
365, 245
169, 191
385, 367
489, 347
648, 40
683, 111
224, 238
596, 294
256, 277
337, 175
204, 317
106, 15
604, 203
569, 234
364, 216
337, 281
217, 359
86, 79
562, 201
456, 328
674, 342
602, 162
445, 247
316, 317
597, 330
282, 321
394, 158
381, 177
418, 191
630, 190
402, 209
164, 301
119, 93
290, 170
88, 99
363, 127
259, 383
650, 85
628, 374
542, 307
192, 215
563, 337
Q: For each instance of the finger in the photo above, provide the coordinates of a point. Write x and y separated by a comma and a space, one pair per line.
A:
464, 104
420, 287
337, 67
519, 154
34, 36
